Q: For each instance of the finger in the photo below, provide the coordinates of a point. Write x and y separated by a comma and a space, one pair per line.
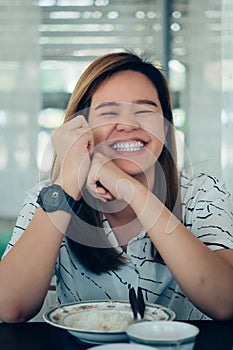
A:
92, 190
101, 190
71, 125
93, 187
102, 194
78, 122
79, 127
108, 196
99, 158
82, 121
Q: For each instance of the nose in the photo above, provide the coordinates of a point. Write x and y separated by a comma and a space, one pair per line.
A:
127, 124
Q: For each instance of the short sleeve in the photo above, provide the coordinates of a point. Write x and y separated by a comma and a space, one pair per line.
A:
25, 216
207, 210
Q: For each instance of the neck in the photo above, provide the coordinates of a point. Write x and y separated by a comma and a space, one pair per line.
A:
125, 225
121, 216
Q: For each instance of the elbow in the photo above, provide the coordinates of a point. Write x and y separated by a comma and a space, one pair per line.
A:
223, 312
223, 315
11, 315
225, 309
220, 309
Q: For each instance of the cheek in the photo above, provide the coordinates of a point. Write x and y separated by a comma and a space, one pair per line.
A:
156, 130
159, 134
97, 136
100, 134
95, 128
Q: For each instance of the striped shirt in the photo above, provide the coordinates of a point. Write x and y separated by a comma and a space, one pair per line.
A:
206, 212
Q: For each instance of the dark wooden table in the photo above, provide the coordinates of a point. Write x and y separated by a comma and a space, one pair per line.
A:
214, 335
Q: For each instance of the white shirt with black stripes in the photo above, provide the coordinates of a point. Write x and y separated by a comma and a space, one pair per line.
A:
207, 213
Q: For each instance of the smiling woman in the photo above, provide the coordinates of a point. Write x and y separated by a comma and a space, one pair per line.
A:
116, 213
128, 129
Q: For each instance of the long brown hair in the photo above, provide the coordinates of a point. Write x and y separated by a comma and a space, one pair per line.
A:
166, 185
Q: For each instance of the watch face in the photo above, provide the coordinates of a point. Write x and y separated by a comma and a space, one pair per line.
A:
53, 198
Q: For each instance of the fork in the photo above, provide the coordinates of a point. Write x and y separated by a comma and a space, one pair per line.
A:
137, 304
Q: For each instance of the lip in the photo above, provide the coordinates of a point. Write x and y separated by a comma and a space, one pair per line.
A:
134, 145
128, 140
127, 148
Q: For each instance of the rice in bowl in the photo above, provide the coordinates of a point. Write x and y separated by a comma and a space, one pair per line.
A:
100, 320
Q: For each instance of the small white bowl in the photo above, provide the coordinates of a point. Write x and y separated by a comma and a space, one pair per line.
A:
164, 334
123, 346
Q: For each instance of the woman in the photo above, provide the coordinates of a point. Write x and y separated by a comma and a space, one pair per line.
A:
117, 214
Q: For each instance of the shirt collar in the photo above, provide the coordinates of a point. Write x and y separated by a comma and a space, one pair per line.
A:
112, 238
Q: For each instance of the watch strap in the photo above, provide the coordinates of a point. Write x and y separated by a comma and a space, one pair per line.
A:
73, 205
53, 198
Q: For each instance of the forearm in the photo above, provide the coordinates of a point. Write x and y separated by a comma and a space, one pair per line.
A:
204, 276
26, 271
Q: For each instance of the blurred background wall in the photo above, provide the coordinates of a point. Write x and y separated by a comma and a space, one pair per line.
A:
46, 44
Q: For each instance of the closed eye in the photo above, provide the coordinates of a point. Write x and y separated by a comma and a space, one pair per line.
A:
111, 113
144, 111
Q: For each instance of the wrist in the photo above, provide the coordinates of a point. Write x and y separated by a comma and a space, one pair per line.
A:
139, 196
70, 188
53, 198
125, 190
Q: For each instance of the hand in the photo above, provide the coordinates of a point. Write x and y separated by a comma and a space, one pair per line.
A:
107, 181
73, 143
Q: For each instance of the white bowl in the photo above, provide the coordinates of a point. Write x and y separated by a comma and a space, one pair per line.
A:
69, 317
123, 346
164, 334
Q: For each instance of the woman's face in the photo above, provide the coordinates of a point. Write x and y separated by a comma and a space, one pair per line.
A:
127, 122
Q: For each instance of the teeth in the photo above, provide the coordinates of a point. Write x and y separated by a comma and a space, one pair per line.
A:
128, 146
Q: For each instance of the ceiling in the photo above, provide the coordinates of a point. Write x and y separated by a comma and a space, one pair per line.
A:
85, 29
163, 29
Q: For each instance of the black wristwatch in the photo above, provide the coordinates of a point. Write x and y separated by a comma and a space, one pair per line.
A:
52, 198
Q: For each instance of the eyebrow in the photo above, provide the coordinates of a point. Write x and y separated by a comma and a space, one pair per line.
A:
107, 104
145, 102
117, 104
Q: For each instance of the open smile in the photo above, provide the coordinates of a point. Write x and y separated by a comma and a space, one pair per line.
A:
128, 146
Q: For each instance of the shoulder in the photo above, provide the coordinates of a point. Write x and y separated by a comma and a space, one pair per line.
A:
203, 193
26, 213
207, 209
33, 192
30, 202
31, 197
202, 185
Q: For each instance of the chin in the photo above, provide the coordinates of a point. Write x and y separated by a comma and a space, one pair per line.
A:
130, 167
